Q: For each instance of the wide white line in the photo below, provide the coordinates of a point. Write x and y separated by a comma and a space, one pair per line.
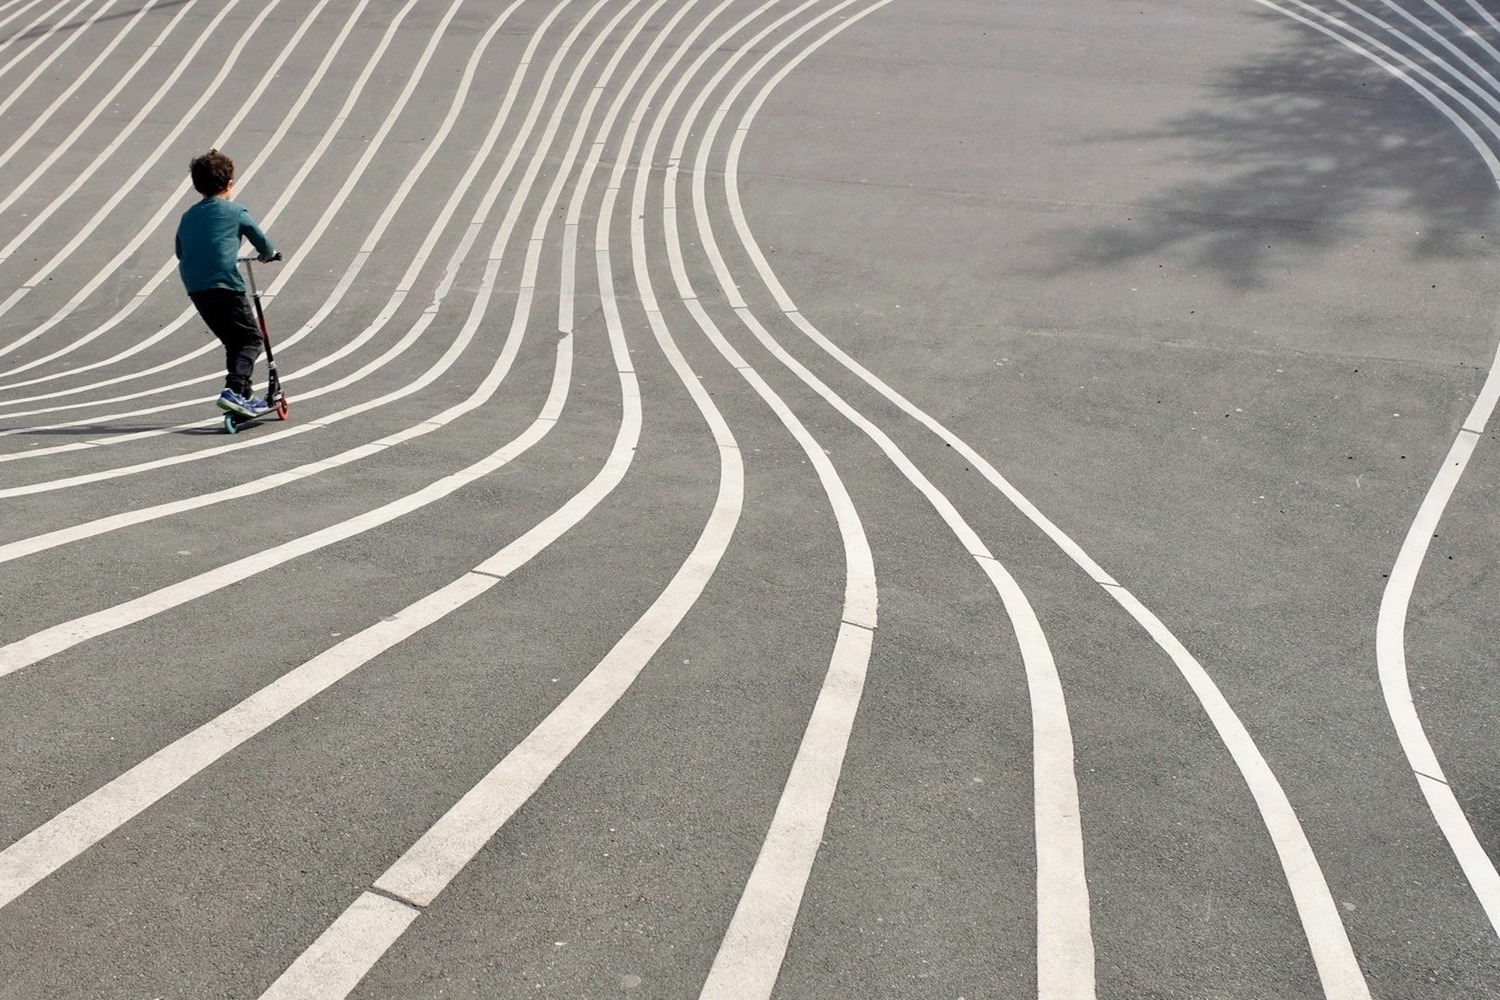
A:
68, 834
339, 959
1390, 628
750, 956
1065, 964
499, 180
450, 844
1328, 941
48, 642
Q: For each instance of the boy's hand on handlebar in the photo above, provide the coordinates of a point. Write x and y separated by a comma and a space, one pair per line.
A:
274, 257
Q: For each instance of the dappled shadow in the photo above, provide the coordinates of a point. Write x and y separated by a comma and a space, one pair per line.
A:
43, 29
1295, 147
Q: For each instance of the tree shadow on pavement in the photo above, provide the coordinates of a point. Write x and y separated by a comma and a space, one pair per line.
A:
1297, 147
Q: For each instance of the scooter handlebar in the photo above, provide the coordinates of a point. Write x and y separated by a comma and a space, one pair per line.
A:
255, 259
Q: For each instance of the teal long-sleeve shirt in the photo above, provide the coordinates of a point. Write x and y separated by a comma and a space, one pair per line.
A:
208, 243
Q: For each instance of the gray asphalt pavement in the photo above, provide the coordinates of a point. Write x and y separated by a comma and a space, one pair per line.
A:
921, 499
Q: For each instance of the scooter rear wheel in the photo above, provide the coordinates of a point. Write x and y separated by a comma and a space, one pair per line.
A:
230, 426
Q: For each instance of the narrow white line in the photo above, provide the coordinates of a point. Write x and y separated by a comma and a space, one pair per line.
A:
50, 641
42, 38
78, 828
121, 190
326, 216
1390, 646
79, 78
20, 32
266, 152
1468, 32
1065, 963
1488, 17
372, 240
498, 183
1390, 629
1433, 33
449, 845
749, 958
125, 187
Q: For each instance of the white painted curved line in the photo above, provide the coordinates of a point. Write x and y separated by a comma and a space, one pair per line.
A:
1437, 60
341, 957
1337, 966
125, 187
84, 824
499, 178
48, 642
344, 954
79, 79
21, 8
1467, 31
40, 38
246, 174
749, 959
754, 946
79, 827
458, 194
1390, 629
326, 217
331, 301
406, 283
1486, 15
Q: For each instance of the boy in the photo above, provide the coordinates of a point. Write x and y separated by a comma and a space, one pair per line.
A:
208, 243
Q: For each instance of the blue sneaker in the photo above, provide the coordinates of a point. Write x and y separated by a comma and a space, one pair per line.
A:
231, 402
235, 403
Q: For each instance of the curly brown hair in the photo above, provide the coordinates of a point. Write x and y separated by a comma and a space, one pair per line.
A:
212, 172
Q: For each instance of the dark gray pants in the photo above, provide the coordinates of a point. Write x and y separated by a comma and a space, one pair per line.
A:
229, 316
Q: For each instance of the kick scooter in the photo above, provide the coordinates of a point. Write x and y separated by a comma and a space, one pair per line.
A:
275, 398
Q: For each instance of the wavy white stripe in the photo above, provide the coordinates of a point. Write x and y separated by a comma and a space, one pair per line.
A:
1390, 629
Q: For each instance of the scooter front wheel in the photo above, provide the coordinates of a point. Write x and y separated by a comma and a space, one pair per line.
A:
282, 406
